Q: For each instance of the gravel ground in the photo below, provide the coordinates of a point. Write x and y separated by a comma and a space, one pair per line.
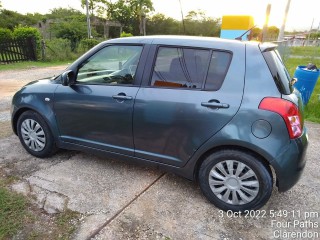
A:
12, 80
123, 201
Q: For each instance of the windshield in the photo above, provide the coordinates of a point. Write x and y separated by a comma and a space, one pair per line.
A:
278, 71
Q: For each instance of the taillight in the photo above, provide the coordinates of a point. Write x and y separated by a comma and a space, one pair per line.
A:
288, 111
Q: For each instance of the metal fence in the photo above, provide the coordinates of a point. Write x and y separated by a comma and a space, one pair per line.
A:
18, 50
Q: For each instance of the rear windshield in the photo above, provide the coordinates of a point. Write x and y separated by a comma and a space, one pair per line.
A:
279, 72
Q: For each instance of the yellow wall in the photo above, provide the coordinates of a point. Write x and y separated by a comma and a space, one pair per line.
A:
236, 22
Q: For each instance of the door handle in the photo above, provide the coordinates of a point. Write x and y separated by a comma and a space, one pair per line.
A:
215, 105
122, 97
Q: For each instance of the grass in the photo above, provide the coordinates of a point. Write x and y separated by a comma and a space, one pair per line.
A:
30, 64
312, 109
13, 212
305, 51
19, 216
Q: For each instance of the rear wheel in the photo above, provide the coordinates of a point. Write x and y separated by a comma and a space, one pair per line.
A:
235, 180
35, 135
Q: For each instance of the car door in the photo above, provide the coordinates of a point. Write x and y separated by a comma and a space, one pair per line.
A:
190, 95
96, 111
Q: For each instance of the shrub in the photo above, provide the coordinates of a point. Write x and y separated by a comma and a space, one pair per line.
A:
25, 32
59, 49
5, 34
86, 44
124, 34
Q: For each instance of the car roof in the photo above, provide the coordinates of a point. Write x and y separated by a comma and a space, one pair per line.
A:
206, 42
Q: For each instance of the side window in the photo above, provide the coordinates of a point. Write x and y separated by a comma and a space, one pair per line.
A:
180, 67
114, 64
218, 68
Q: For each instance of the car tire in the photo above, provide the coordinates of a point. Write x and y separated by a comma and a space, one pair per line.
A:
35, 135
235, 180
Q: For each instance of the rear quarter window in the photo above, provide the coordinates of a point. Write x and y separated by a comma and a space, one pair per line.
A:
202, 69
279, 72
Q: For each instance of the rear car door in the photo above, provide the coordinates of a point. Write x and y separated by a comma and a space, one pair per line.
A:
188, 96
96, 111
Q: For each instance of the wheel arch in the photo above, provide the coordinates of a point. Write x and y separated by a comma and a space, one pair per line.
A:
49, 121
258, 156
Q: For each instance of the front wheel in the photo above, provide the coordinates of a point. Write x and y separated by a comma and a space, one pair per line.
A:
235, 180
35, 135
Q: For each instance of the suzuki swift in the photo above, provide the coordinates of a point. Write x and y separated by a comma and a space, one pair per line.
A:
222, 112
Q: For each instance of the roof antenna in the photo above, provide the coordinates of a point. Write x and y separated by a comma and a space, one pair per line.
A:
240, 37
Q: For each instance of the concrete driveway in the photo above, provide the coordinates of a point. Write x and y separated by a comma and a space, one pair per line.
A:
119, 200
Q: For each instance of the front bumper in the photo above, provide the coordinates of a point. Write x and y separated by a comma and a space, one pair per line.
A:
290, 164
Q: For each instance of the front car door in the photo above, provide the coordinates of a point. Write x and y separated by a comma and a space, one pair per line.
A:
189, 96
96, 111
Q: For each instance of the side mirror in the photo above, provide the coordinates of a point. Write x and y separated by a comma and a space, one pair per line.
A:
68, 78
293, 81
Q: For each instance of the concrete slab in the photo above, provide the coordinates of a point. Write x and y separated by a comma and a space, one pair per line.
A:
174, 208
122, 201
94, 185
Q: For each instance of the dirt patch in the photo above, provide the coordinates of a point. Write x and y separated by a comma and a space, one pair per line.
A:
5, 129
12, 80
8, 87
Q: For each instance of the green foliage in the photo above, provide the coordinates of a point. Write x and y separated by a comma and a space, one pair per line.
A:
66, 14
71, 24
124, 34
315, 35
272, 33
26, 32
160, 24
120, 11
86, 44
12, 214
72, 30
96, 7
59, 49
196, 23
5, 34
305, 51
10, 19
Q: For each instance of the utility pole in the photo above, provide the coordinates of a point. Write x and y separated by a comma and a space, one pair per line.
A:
184, 27
310, 31
88, 20
265, 26
281, 33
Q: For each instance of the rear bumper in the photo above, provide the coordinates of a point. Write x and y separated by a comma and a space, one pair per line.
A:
290, 164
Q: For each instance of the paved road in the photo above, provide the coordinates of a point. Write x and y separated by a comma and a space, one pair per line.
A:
122, 201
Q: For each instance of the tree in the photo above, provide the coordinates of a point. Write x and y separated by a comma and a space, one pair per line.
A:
5, 34
273, 32
198, 24
160, 24
10, 19
66, 14
120, 11
70, 24
72, 30
256, 33
141, 8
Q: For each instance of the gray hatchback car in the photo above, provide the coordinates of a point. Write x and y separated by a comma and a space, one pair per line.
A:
222, 112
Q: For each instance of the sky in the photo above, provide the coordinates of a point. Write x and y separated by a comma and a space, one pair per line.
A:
300, 17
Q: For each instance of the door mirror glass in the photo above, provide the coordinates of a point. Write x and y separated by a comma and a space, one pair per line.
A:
68, 78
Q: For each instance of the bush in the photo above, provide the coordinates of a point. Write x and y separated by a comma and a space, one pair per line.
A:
25, 32
5, 34
86, 44
59, 49
124, 34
